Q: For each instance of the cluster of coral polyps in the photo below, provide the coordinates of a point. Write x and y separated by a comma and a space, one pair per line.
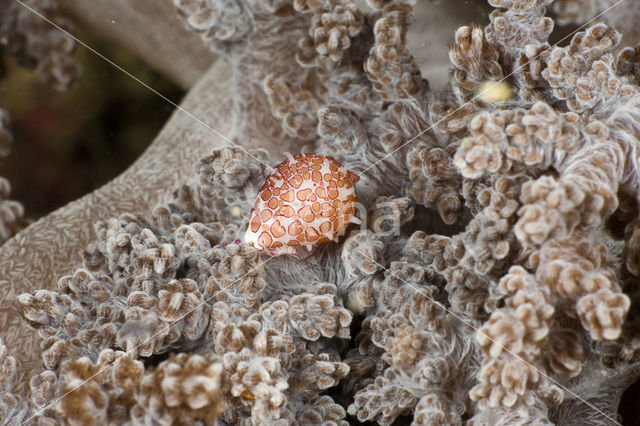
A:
493, 280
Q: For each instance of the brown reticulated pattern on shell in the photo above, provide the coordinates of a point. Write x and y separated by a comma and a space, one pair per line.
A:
308, 200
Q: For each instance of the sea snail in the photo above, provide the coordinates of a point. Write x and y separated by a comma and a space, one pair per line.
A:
308, 200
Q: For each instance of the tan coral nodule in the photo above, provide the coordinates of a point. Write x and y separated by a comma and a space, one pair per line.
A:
493, 279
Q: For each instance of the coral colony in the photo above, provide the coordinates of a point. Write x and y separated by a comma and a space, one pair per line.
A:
492, 279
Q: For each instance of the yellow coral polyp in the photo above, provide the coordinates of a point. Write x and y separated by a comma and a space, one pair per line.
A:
494, 92
247, 395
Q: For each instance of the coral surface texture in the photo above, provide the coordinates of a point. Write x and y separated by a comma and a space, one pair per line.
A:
490, 275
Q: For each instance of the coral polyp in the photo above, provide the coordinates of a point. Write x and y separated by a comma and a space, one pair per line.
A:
493, 279
308, 200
